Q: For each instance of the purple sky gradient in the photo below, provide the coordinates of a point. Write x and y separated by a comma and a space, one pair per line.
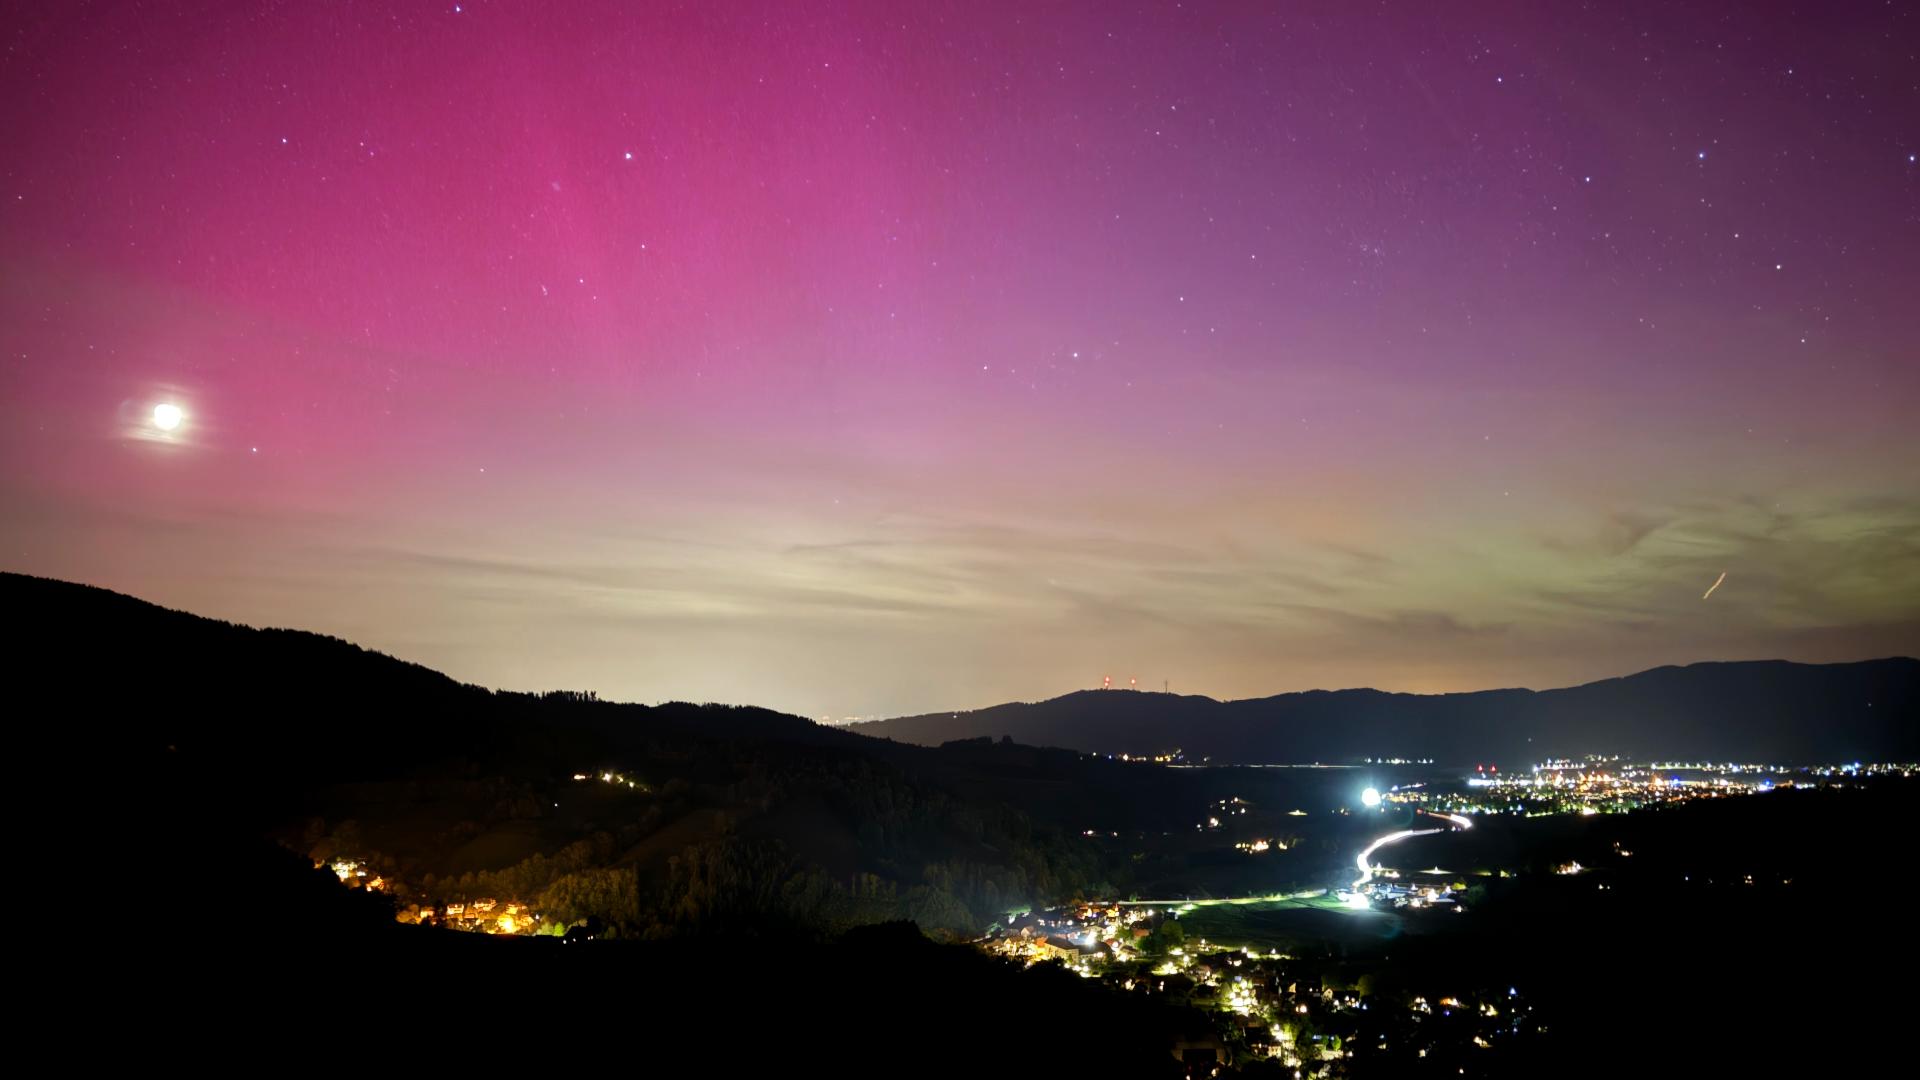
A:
864, 359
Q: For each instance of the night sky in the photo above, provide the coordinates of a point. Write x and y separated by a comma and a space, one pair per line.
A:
868, 359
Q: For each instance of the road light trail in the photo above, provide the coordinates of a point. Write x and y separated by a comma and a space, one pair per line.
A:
1458, 821
1366, 868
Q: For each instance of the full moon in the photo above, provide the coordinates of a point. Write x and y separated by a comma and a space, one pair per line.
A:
167, 416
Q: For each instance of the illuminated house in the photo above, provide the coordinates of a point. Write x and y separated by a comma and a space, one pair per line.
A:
1055, 948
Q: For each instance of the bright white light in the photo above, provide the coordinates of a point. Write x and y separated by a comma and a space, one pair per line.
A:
167, 416
1370, 797
1359, 901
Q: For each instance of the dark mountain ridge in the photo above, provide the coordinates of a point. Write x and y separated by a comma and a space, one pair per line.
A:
1765, 710
171, 739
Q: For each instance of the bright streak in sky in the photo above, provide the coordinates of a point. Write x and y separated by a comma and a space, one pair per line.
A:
1715, 585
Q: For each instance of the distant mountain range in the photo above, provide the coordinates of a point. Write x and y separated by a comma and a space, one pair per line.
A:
1767, 710
333, 709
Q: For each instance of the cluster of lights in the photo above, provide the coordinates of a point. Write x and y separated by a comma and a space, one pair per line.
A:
613, 778
476, 915
1596, 784
1246, 995
1158, 759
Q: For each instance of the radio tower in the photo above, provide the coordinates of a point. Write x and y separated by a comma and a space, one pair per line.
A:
1106, 682
1133, 684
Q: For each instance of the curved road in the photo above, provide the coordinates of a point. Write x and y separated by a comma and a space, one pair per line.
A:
1456, 821
1366, 868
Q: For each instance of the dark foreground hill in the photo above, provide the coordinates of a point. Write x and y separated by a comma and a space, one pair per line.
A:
768, 896
1769, 710
725, 818
756, 894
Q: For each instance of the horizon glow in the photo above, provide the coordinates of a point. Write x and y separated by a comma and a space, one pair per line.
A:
883, 361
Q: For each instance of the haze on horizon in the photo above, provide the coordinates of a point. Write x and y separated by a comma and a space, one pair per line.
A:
875, 363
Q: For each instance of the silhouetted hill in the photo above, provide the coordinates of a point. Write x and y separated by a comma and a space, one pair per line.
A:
168, 733
746, 894
1762, 710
